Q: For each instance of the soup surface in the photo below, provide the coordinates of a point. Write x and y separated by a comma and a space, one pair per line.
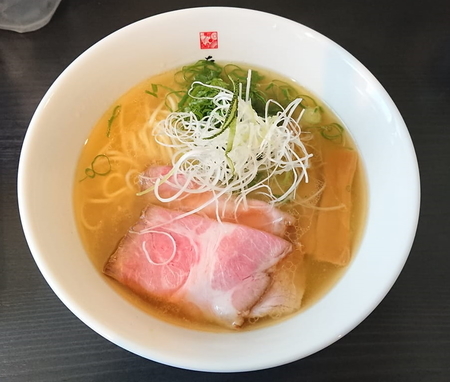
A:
328, 205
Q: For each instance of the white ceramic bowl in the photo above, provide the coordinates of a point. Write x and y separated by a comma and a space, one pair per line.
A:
99, 76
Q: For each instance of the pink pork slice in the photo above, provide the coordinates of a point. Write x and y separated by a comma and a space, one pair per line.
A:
221, 268
283, 296
256, 214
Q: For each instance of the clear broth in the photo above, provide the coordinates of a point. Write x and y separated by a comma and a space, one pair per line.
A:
107, 206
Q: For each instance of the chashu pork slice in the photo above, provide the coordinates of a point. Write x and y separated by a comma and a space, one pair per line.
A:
221, 268
255, 213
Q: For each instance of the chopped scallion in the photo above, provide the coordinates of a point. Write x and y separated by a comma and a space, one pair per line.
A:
100, 165
114, 115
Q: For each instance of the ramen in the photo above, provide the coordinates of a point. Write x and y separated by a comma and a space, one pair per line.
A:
220, 196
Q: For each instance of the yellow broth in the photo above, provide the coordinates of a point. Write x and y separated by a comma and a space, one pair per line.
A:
106, 183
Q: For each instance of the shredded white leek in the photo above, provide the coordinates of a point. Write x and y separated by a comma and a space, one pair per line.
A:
231, 160
147, 255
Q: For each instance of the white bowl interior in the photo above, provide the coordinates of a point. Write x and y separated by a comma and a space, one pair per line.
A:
90, 85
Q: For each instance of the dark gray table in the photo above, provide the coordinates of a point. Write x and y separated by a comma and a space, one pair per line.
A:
406, 45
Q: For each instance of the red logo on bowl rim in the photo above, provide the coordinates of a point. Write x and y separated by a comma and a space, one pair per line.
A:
209, 40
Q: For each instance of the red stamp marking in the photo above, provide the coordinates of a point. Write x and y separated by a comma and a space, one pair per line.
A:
209, 40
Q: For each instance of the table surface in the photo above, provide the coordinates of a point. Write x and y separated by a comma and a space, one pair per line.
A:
405, 44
